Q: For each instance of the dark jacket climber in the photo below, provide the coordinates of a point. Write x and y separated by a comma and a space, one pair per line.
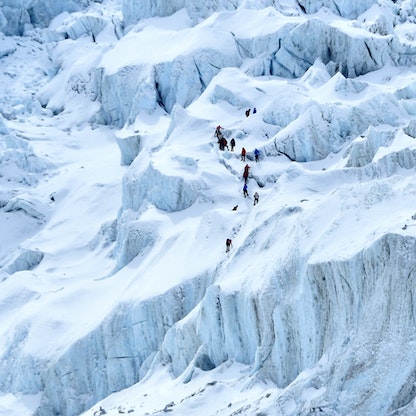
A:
245, 173
232, 143
256, 198
223, 143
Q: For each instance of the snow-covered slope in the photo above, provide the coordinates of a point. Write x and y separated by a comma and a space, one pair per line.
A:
116, 292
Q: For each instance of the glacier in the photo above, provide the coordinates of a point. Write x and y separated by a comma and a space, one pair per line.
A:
117, 295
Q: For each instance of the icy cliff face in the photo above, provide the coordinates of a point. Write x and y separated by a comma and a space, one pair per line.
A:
347, 9
123, 201
17, 16
266, 48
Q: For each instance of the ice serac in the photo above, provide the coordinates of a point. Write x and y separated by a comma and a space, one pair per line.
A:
130, 146
375, 282
17, 14
166, 192
352, 55
362, 150
19, 162
90, 25
118, 352
325, 301
126, 91
344, 8
135, 88
135, 237
316, 311
325, 129
24, 260
135, 10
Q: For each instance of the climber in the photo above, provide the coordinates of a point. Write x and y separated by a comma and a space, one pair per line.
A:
218, 133
228, 244
223, 143
247, 112
245, 173
232, 143
256, 154
256, 198
245, 190
243, 154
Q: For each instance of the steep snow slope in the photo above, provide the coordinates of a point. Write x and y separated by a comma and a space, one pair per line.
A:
116, 203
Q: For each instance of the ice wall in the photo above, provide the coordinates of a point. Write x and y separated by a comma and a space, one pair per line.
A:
325, 129
281, 50
316, 311
309, 311
135, 10
117, 353
166, 192
15, 16
345, 8
135, 89
133, 80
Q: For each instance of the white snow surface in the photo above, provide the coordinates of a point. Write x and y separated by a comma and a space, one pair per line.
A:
117, 295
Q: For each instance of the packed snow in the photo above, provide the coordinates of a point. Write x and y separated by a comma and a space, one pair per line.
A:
117, 293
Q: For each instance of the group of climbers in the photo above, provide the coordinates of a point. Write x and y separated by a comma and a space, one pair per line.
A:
222, 142
245, 188
248, 111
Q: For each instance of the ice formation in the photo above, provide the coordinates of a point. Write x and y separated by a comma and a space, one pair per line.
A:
118, 266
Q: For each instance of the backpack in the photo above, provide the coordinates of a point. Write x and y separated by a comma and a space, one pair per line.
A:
228, 242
